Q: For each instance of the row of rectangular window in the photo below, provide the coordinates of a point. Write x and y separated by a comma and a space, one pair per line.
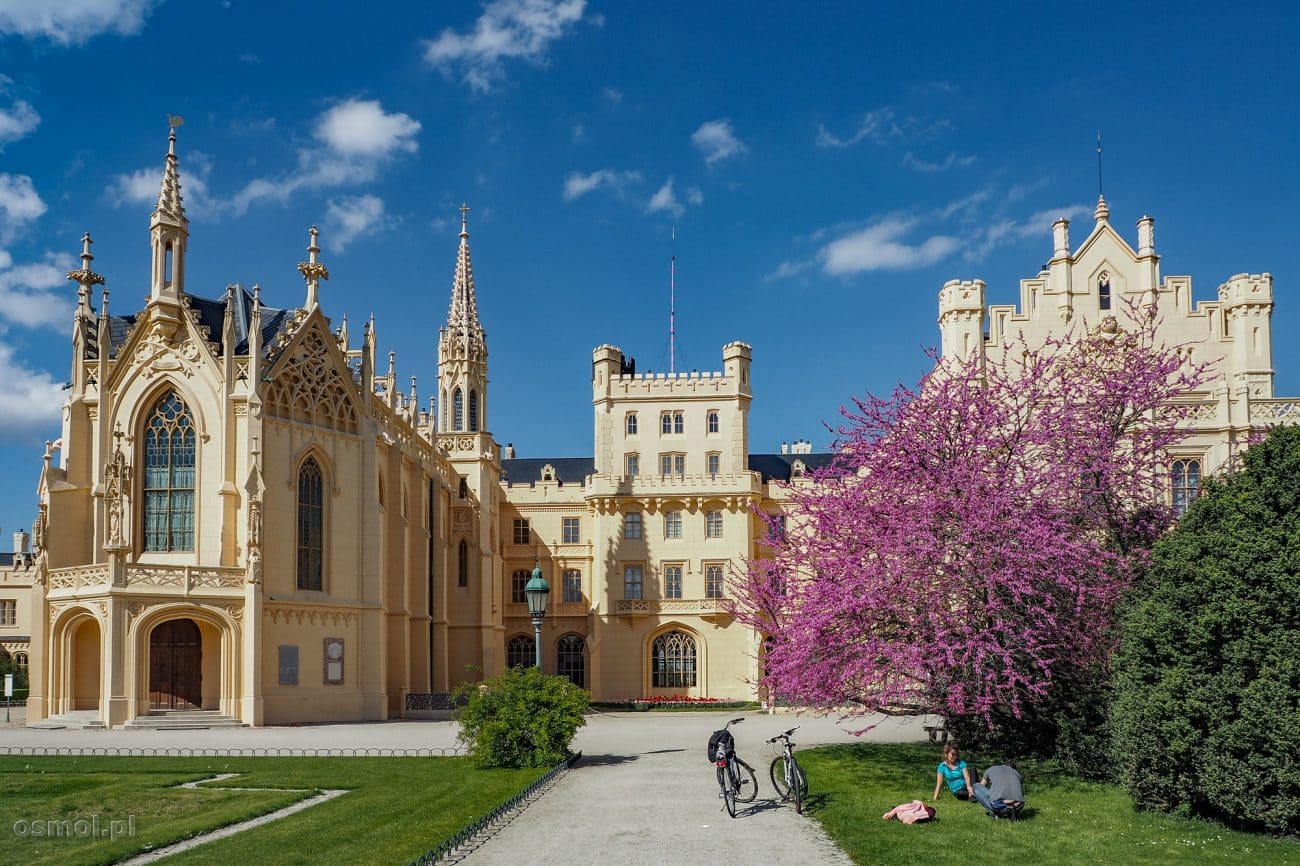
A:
8, 612
671, 463
633, 583
633, 525
570, 585
672, 423
570, 531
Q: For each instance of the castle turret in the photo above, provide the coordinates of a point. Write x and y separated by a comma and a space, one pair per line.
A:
1248, 306
961, 317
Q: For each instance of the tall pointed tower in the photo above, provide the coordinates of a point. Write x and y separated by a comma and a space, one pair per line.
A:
462, 350
475, 588
169, 231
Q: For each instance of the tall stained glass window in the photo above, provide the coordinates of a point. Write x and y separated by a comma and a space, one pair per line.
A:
169, 458
311, 526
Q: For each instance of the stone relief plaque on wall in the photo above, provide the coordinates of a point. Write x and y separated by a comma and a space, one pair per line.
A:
333, 661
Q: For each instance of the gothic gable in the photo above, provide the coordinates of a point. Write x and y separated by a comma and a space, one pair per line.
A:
311, 384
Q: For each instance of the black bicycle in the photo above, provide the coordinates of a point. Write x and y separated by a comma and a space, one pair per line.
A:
736, 780
787, 776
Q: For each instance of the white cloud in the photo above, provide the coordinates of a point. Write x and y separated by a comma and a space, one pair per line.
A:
885, 125
19, 205
357, 138
31, 401
695, 195
507, 30
72, 22
717, 141
665, 200
880, 247
26, 296
1004, 231
362, 128
611, 95
18, 122
952, 160
348, 218
577, 184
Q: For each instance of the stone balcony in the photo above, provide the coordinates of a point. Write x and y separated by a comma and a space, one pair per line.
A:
515, 610
668, 606
184, 578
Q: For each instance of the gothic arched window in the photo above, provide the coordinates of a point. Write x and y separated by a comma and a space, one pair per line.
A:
473, 411
457, 410
169, 459
1185, 484
1103, 290
311, 525
520, 652
462, 563
569, 660
673, 660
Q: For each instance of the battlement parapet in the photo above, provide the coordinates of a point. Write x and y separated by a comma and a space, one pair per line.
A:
1252, 289
961, 295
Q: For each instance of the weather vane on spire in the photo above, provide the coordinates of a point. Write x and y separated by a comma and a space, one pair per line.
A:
464, 218
1099, 189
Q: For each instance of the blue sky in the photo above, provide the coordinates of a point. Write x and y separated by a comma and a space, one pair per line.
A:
827, 167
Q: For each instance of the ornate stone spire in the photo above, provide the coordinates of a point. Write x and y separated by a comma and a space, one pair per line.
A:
170, 207
312, 270
1103, 211
463, 329
84, 276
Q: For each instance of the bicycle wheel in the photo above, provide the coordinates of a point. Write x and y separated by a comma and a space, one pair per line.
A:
798, 786
728, 793
778, 774
746, 782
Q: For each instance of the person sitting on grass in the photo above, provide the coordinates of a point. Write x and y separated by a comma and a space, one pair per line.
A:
953, 770
1000, 790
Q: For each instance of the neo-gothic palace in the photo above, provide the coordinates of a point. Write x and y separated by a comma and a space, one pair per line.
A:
248, 520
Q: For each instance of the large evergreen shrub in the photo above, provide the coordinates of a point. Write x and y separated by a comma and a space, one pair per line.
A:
1206, 712
522, 718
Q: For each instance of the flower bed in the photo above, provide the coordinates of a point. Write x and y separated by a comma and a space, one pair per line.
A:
674, 702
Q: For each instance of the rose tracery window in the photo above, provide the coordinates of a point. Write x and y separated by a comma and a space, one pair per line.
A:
169, 459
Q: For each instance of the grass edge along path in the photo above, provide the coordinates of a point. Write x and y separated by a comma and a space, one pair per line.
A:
393, 809
1067, 821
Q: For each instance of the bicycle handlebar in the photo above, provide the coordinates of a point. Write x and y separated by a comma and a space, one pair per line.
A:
784, 734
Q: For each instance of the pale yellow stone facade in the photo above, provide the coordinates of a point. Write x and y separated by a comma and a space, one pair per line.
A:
1080, 287
244, 516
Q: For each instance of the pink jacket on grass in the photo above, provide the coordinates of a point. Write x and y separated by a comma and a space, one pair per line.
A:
910, 813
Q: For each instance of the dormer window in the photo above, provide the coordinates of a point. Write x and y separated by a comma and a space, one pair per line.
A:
1103, 290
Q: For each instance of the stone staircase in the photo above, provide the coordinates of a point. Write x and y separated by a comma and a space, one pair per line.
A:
182, 720
81, 720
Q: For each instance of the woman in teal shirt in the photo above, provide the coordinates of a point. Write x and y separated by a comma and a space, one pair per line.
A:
955, 773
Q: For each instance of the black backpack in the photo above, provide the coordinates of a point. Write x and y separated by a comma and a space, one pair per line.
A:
726, 741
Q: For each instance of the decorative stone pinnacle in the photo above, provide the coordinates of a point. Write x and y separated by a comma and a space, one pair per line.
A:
313, 270
1103, 211
171, 207
464, 220
85, 276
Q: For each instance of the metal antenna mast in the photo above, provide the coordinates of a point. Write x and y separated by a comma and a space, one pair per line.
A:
1099, 189
672, 308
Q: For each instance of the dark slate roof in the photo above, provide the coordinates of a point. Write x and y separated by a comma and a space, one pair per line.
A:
528, 470
574, 470
212, 315
780, 467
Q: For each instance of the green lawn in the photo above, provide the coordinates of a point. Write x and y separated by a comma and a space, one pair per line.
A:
395, 810
1066, 820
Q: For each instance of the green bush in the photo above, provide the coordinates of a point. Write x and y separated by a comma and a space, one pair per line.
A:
1206, 711
522, 718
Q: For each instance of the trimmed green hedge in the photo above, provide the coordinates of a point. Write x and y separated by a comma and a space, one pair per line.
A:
522, 718
1206, 711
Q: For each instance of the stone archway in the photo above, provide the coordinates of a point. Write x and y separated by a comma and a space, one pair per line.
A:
84, 669
176, 666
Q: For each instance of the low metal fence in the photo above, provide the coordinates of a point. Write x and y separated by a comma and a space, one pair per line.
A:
466, 835
272, 752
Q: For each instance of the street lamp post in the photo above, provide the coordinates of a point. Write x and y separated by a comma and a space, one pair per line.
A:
537, 591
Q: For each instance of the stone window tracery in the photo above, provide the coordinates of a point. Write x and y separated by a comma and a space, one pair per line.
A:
521, 652
569, 660
311, 526
1185, 484
457, 410
169, 459
473, 411
673, 658
310, 389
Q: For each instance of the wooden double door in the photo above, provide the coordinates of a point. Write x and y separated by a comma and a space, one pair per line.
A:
176, 666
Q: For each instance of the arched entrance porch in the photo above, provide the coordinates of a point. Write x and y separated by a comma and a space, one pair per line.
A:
185, 659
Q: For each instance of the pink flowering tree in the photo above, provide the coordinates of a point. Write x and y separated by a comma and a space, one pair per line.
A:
974, 533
